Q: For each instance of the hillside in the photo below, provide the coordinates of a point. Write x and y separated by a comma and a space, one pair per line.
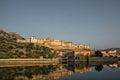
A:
9, 48
118, 49
10, 35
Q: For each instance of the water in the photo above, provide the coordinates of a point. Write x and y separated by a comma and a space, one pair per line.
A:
70, 71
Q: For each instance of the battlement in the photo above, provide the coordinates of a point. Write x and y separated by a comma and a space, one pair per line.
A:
54, 43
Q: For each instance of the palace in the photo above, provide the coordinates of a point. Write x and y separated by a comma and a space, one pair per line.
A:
56, 44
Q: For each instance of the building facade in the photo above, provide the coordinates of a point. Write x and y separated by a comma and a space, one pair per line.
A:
54, 43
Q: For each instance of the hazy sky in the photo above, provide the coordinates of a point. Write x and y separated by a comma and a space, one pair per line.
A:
91, 22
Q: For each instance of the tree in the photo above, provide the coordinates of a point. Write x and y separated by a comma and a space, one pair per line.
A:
99, 68
51, 55
98, 54
37, 47
30, 46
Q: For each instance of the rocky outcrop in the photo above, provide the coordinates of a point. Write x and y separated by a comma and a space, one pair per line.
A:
10, 35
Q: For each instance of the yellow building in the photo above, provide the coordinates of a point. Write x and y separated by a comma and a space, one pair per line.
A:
78, 56
56, 44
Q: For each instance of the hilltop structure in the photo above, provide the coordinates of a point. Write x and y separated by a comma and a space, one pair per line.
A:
56, 44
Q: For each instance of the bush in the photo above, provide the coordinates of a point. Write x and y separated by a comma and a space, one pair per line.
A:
98, 54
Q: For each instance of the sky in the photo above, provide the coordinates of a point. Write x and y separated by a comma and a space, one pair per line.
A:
89, 22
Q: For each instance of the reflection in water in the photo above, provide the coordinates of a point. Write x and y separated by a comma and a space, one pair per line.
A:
99, 68
49, 72
24, 72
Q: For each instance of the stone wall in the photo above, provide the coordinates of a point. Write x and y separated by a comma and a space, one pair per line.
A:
49, 41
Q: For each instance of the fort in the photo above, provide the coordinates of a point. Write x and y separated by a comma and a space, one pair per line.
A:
52, 43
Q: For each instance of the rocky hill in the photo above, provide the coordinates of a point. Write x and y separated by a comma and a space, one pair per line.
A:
118, 49
10, 35
9, 48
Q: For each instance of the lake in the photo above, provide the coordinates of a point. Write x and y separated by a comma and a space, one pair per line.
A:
70, 71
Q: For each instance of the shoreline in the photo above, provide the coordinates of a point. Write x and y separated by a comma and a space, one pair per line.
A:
28, 61
45, 62
52, 60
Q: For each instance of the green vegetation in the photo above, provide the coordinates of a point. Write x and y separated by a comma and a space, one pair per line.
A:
99, 68
98, 54
28, 71
9, 48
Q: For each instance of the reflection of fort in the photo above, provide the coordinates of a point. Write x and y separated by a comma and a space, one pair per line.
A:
114, 65
60, 72
55, 72
81, 67
83, 70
